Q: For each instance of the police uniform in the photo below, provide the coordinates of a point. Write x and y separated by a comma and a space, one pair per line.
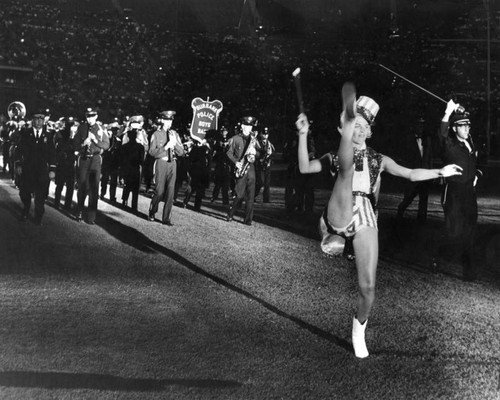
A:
459, 195
222, 173
89, 163
165, 168
263, 166
242, 151
65, 170
35, 157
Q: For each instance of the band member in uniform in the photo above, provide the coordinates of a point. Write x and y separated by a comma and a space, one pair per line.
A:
242, 152
459, 194
65, 171
132, 157
417, 154
222, 178
199, 172
350, 210
35, 163
111, 163
90, 141
165, 147
263, 165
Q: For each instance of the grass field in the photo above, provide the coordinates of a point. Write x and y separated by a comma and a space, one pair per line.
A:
210, 310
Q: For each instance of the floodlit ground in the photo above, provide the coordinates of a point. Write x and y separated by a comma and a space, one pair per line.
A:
129, 309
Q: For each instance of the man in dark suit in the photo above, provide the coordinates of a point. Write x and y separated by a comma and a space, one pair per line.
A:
418, 154
90, 141
242, 151
36, 163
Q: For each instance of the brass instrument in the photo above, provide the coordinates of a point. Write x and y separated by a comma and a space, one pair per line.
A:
16, 111
240, 172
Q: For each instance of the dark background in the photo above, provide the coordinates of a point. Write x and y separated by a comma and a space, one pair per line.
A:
138, 57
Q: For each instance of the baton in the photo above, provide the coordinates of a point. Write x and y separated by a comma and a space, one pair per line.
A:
413, 83
298, 89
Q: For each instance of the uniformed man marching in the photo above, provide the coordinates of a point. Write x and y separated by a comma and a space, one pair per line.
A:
242, 151
165, 147
90, 141
35, 162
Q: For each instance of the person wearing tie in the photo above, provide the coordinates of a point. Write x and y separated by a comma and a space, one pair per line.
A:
459, 193
36, 163
165, 147
418, 154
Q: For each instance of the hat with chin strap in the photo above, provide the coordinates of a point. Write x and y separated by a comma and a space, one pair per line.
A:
459, 118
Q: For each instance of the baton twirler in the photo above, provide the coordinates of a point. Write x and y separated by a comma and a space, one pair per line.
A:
298, 89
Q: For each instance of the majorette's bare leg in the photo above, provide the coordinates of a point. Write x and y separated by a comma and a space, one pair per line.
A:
340, 203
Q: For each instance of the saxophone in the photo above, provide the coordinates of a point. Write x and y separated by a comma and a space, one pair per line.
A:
240, 172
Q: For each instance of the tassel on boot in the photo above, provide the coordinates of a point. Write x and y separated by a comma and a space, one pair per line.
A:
358, 338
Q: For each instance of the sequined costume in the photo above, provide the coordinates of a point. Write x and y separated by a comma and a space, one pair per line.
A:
365, 187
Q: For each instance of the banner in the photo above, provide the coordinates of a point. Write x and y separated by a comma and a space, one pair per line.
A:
205, 116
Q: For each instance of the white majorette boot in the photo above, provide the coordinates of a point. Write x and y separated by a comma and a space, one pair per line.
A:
358, 338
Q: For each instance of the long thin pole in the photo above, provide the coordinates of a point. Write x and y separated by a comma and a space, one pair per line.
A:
413, 83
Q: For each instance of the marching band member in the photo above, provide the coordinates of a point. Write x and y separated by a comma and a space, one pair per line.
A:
222, 178
90, 141
65, 170
35, 163
131, 159
165, 147
111, 162
459, 194
242, 152
350, 210
263, 165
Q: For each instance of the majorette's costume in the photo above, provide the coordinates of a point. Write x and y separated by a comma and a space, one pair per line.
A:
365, 187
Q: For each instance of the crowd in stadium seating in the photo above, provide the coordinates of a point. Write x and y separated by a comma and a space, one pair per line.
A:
124, 67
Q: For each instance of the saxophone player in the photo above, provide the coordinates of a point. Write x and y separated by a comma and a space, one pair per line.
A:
243, 150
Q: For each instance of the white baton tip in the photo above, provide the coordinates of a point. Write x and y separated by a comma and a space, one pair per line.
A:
296, 72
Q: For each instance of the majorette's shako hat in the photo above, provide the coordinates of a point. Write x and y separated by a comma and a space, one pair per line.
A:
90, 112
167, 114
248, 120
367, 108
459, 118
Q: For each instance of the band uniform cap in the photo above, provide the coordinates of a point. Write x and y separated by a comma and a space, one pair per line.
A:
248, 120
38, 115
90, 112
368, 108
138, 119
167, 114
265, 131
460, 118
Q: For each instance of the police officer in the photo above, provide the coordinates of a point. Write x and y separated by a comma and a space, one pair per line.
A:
35, 163
90, 141
242, 151
459, 195
165, 147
